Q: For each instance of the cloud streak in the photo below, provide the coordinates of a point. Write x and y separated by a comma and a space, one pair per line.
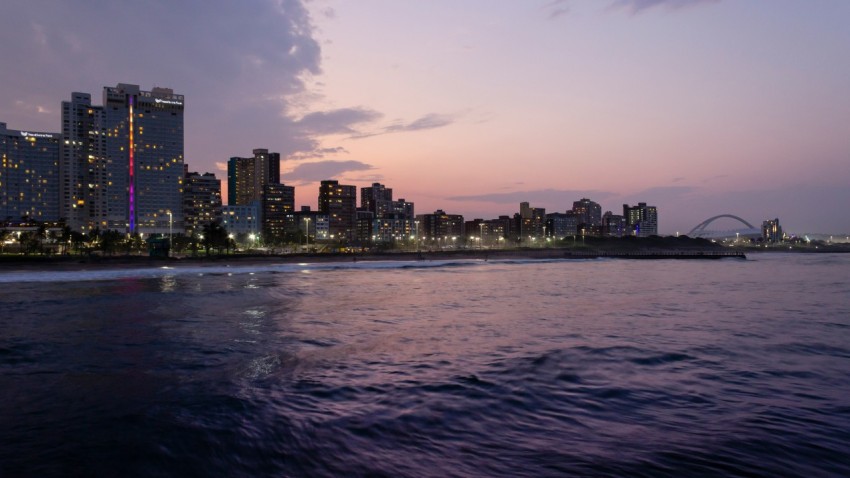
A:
556, 8
561, 198
307, 173
317, 153
339, 121
659, 193
638, 6
352, 123
428, 121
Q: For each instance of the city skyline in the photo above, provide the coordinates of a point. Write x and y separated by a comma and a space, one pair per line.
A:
698, 107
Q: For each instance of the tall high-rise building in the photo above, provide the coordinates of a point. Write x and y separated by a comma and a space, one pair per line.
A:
256, 180
278, 205
525, 210
588, 212
403, 208
771, 231
440, 226
84, 179
499, 229
201, 201
29, 175
376, 199
339, 202
641, 220
387, 220
246, 177
144, 155
613, 225
274, 168
530, 223
560, 225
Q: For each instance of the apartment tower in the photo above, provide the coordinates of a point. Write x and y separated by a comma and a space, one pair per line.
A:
144, 156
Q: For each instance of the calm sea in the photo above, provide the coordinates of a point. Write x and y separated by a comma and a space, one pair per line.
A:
519, 368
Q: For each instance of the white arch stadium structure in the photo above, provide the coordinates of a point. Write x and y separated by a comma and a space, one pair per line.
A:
702, 230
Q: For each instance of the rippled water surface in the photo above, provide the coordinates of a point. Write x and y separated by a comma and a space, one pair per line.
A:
527, 368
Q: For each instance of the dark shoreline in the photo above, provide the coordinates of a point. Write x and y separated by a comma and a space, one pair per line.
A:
95, 261
121, 261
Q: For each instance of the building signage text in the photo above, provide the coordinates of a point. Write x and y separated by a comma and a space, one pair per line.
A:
168, 102
27, 134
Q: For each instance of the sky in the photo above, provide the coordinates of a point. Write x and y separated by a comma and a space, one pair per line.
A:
699, 107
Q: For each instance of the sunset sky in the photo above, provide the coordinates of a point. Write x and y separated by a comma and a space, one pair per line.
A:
700, 107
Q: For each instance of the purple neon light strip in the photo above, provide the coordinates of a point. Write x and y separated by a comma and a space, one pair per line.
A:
132, 175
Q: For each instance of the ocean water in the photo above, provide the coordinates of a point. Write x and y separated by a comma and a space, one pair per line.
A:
518, 368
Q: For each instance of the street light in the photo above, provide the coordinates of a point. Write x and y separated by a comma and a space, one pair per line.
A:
417, 235
481, 236
307, 234
170, 231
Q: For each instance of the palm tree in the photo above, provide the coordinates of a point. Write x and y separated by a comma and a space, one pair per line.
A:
77, 240
135, 243
4, 235
65, 238
110, 239
215, 237
93, 237
29, 241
